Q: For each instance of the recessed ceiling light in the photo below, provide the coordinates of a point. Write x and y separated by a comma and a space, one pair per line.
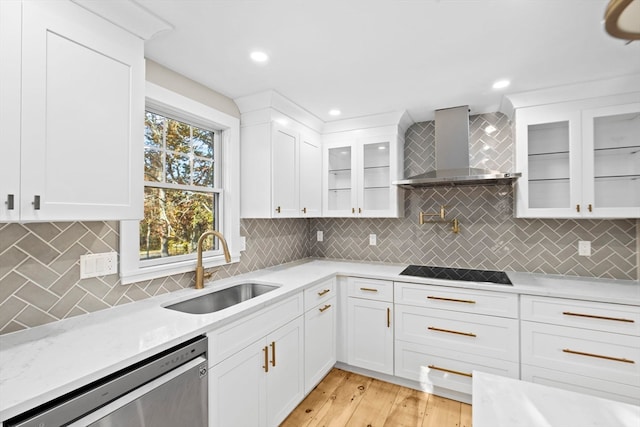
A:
258, 56
501, 84
335, 112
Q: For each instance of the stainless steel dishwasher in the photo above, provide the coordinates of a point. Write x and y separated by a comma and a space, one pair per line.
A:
166, 390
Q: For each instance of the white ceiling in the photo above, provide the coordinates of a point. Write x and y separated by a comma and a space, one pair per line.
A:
375, 56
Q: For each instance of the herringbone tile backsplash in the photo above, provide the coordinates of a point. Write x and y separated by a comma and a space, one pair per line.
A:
39, 263
489, 238
40, 271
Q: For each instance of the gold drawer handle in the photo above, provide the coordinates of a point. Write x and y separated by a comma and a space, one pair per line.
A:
593, 316
323, 292
615, 359
437, 368
466, 301
369, 289
388, 317
266, 359
325, 308
467, 334
273, 353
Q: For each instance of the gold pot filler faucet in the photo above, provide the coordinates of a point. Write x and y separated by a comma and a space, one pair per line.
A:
199, 268
455, 224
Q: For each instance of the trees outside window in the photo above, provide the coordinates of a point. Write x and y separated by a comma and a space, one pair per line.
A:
181, 195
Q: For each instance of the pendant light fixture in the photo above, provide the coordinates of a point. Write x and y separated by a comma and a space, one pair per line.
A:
622, 19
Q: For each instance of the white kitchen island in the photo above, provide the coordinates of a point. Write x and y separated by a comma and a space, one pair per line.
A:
506, 402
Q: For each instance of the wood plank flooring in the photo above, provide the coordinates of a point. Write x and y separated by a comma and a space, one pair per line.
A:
345, 399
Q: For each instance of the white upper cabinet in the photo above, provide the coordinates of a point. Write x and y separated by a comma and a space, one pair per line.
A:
358, 171
281, 160
310, 174
285, 148
77, 152
10, 78
579, 159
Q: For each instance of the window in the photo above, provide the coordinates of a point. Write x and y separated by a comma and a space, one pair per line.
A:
181, 194
191, 181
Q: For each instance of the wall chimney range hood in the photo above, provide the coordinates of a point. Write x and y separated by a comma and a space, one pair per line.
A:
452, 156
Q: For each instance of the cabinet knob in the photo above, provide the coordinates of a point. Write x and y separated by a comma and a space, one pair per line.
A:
36, 203
359, 210
304, 210
278, 209
10, 202
578, 208
353, 210
590, 207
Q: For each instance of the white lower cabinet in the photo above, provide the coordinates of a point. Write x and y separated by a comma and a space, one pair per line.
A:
256, 372
441, 347
319, 343
370, 329
584, 346
262, 384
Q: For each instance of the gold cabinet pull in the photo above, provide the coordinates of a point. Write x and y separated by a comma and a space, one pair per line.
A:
266, 359
304, 210
273, 353
437, 368
369, 289
590, 207
467, 334
278, 209
593, 316
578, 208
353, 210
359, 210
388, 317
466, 301
325, 308
599, 356
323, 292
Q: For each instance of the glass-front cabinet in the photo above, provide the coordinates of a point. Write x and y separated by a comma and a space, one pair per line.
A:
578, 160
611, 137
358, 175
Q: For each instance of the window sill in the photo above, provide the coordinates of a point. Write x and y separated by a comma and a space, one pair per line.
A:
153, 272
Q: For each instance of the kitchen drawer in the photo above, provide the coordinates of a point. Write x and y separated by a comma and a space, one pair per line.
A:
595, 354
457, 299
476, 334
379, 290
581, 384
231, 338
621, 319
448, 369
319, 293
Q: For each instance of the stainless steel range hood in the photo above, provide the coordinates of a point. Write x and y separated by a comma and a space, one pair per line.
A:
452, 156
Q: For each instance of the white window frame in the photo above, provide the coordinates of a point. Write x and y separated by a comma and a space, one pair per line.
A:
132, 269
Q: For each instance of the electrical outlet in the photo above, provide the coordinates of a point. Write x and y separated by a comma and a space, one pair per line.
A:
373, 240
243, 243
94, 265
584, 248
320, 236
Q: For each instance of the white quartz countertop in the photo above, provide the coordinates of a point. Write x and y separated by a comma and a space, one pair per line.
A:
39, 364
507, 402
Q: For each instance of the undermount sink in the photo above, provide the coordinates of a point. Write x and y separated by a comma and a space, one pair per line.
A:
216, 301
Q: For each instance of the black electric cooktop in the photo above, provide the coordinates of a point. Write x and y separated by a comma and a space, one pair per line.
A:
467, 275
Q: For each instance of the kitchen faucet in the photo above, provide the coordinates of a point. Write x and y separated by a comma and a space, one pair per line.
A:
199, 267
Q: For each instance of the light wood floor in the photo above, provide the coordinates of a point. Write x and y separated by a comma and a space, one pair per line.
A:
347, 399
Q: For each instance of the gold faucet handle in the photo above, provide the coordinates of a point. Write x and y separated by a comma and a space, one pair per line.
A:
442, 211
208, 274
